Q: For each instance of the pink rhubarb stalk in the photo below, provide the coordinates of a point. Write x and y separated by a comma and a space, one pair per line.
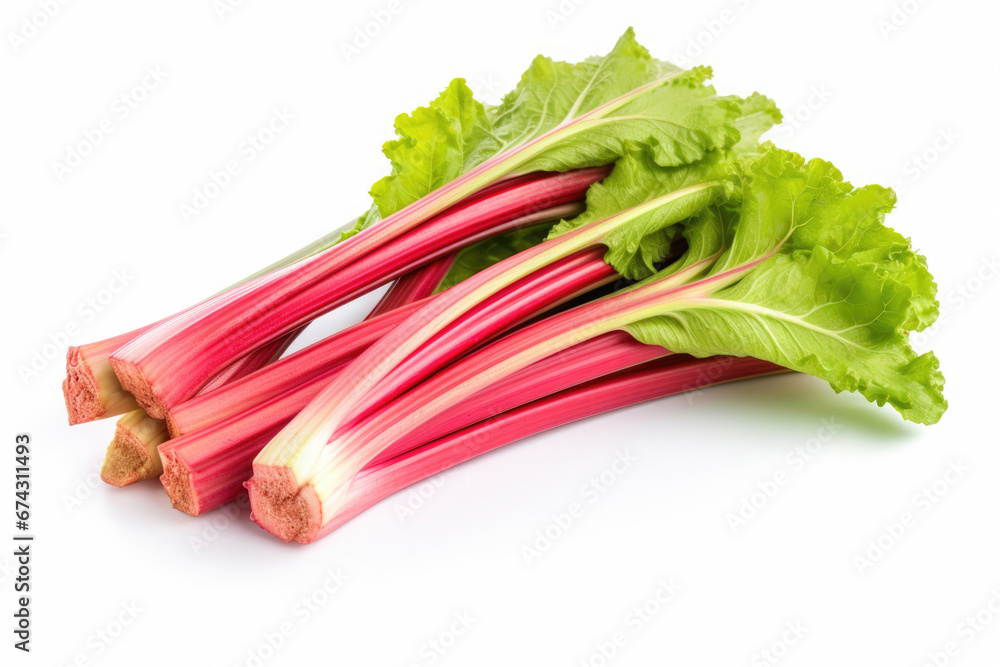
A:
92, 391
580, 363
655, 379
291, 459
208, 467
170, 363
311, 365
304, 511
414, 286
91, 388
133, 454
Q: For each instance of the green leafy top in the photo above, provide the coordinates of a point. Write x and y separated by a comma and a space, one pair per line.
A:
802, 270
810, 278
552, 92
639, 177
433, 146
758, 114
560, 116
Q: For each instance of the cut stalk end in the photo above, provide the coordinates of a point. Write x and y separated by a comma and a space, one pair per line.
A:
80, 390
91, 390
134, 382
280, 507
132, 455
177, 481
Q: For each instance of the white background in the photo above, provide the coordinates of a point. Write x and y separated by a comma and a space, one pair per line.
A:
868, 98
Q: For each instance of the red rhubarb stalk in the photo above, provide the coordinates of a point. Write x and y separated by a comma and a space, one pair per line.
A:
353, 448
133, 455
91, 388
170, 363
655, 379
549, 286
309, 365
414, 286
208, 466
288, 461
580, 363
357, 444
257, 359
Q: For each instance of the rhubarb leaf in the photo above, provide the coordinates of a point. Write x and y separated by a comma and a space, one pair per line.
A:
552, 92
789, 205
813, 280
365, 220
675, 112
758, 114
816, 314
635, 247
431, 147
780, 193
869, 241
681, 117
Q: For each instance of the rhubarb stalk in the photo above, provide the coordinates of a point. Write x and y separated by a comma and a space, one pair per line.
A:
796, 279
169, 364
655, 379
373, 379
305, 510
133, 455
91, 388
209, 466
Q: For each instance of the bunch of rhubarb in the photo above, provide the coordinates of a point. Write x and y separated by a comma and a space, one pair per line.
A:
612, 232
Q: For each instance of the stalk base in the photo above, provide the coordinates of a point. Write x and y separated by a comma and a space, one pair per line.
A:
81, 390
280, 507
177, 482
134, 382
82, 405
131, 456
